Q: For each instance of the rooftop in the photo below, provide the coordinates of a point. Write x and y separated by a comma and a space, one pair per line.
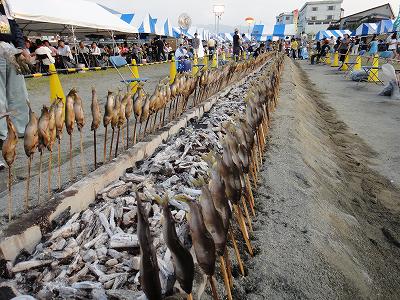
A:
321, 2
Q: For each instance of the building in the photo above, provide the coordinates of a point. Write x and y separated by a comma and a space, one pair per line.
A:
319, 15
372, 15
284, 18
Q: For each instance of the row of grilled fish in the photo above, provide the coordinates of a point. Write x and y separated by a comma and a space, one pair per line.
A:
210, 216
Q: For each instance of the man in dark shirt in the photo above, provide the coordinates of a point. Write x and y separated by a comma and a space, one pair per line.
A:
236, 44
160, 49
13, 93
322, 52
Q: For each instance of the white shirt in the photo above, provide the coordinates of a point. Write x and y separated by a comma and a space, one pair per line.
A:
180, 53
393, 44
65, 51
43, 50
95, 50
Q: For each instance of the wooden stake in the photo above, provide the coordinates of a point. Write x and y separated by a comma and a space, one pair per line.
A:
226, 278
95, 149
243, 229
134, 132
59, 163
49, 175
105, 146
127, 134
71, 165
83, 161
228, 267
249, 190
190, 297
246, 211
117, 143
40, 175
213, 287
28, 182
111, 146
10, 208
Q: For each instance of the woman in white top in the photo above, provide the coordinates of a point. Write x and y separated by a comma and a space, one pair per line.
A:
393, 44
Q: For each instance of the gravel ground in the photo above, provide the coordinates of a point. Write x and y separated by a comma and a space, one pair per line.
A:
38, 89
328, 220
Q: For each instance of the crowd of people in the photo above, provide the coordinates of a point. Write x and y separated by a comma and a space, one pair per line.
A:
63, 55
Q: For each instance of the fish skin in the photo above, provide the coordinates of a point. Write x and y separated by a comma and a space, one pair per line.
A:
69, 112
203, 242
60, 117
78, 110
182, 259
31, 134
149, 271
108, 109
43, 128
212, 220
10, 143
52, 127
95, 108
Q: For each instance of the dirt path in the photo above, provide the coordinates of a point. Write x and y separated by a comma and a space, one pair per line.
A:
328, 224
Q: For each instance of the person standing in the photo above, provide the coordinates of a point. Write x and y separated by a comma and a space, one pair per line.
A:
160, 49
211, 48
344, 49
392, 42
13, 92
295, 46
236, 45
356, 46
196, 45
373, 46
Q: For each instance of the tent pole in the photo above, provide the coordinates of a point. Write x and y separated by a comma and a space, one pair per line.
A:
75, 45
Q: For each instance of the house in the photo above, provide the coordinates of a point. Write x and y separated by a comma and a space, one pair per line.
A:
284, 18
319, 15
372, 15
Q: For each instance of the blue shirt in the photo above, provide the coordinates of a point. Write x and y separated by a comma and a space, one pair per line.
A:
373, 48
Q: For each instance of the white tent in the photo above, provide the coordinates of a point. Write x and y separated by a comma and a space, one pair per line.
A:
59, 16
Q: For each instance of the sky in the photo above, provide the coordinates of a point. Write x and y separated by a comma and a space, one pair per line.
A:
236, 11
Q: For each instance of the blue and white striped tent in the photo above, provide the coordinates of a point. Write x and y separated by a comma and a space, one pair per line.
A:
327, 34
366, 29
385, 26
261, 32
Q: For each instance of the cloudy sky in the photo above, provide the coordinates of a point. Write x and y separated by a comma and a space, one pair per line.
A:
235, 10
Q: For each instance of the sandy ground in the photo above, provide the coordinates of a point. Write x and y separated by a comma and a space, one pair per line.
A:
328, 224
39, 94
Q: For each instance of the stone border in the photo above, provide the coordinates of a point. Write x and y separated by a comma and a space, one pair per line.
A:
82, 193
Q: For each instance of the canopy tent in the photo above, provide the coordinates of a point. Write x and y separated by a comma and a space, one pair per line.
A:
282, 30
385, 26
327, 34
366, 29
261, 32
60, 16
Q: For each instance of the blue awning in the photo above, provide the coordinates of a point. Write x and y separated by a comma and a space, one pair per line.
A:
385, 26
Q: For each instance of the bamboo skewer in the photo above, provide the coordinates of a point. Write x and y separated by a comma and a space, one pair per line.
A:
49, 174
226, 277
213, 287
83, 161
105, 146
59, 163
40, 175
71, 165
95, 149
10, 206
28, 182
